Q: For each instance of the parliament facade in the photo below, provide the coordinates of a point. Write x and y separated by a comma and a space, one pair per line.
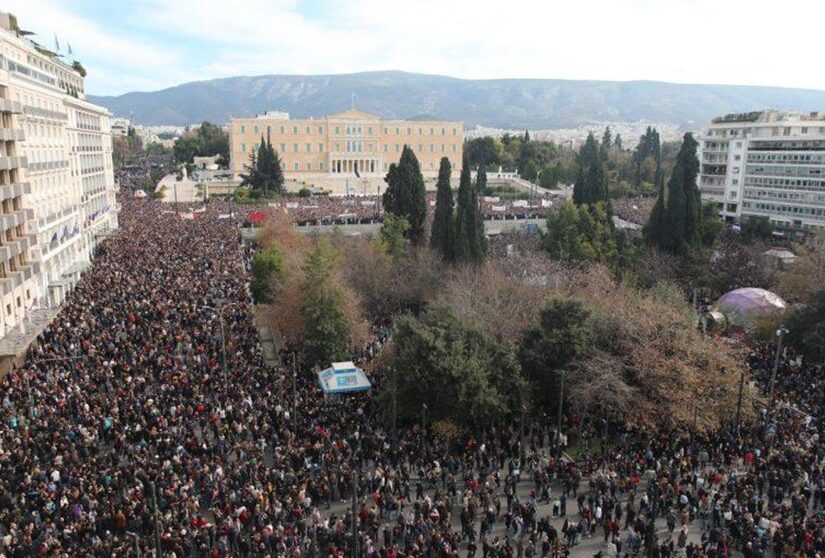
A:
351, 143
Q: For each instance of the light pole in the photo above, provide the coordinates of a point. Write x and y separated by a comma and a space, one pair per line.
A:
779, 334
423, 425
558, 423
136, 542
739, 402
219, 311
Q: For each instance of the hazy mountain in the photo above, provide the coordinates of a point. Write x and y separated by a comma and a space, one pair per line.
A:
504, 103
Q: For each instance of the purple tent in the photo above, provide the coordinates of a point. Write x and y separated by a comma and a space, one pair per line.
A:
744, 308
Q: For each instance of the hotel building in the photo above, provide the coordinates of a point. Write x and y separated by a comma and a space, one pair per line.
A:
341, 145
766, 164
56, 179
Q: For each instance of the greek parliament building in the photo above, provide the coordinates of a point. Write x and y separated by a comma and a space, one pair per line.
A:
766, 164
57, 192
341, 145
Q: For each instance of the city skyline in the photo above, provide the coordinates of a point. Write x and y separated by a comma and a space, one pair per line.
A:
151, 45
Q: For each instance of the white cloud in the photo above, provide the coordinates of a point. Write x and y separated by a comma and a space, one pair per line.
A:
703, 41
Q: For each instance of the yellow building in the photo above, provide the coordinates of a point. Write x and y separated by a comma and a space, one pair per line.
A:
341, 145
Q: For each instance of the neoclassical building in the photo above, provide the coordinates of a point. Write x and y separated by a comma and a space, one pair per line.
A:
346, 144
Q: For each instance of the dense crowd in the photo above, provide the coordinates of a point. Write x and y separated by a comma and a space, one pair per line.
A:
130, 427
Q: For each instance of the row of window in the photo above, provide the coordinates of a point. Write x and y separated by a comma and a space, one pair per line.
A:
794, 183
348, 130
802, 211
801, 159
786, 170
351, 146
782, 196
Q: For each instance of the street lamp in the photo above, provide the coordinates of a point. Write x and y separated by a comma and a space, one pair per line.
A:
219, 311
423, 425
779, 334
558, 424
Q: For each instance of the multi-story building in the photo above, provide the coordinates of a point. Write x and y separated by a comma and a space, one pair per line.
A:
766, 164
56, 183
345, 144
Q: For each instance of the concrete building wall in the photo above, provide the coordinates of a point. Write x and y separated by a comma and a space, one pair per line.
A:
768, 164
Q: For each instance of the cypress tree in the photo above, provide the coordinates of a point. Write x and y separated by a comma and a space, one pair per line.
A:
481, 179
591, 181
442, 237
676, 221
405, 195
470, 242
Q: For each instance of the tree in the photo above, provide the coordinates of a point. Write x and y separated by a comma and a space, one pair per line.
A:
482, 151
442, 236
549, 177
649, 147
806, 328
756, 228
531, 171
591, 182
604, 148
327, 334
453, 367
676, 220
470, 245
617, 142
526, 153
585, 234
207, 141
405, 195
560, 337
264, 175
267, 266
391, 238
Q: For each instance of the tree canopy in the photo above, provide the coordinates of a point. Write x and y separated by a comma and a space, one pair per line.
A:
470, 244
591, 181
442, 236
453, 367
264, 177
206, 141
405, 195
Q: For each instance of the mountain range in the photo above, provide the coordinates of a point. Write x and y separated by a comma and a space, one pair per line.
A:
499, 103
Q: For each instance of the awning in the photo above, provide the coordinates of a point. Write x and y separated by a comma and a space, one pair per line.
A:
343, 377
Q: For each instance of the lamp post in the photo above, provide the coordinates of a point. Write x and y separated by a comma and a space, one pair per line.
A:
558, 422
779, 334
219, 311
423, 425
739, 401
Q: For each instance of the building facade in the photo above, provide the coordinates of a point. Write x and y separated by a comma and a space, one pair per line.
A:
345, 144
57, 185
766, 164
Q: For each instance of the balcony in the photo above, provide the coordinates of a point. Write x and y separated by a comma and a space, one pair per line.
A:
12, 220
14, 107
11, 134
10, 191
7, 163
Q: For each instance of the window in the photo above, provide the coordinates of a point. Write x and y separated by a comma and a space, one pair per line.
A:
420, 148
295, 166
369, 131
432, 148
282, 130
295, 148
397, 148
320, 148
283, 148
443, 148
397, 131
243, 147
243, 129
309, 131
255, 129
268, 130
295, 129
337, 130
409, 131
453, 148
321, 165
386, 148
455, 131
309, 166
385, 131
309, 148
432, 131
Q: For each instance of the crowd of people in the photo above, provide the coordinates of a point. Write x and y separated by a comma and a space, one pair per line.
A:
136, 426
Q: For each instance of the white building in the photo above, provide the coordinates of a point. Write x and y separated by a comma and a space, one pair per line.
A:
766, 164
56, 183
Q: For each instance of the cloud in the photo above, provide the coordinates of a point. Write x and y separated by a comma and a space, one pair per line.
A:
705, 41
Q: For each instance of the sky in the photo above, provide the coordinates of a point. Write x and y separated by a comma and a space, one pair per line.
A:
132, 45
